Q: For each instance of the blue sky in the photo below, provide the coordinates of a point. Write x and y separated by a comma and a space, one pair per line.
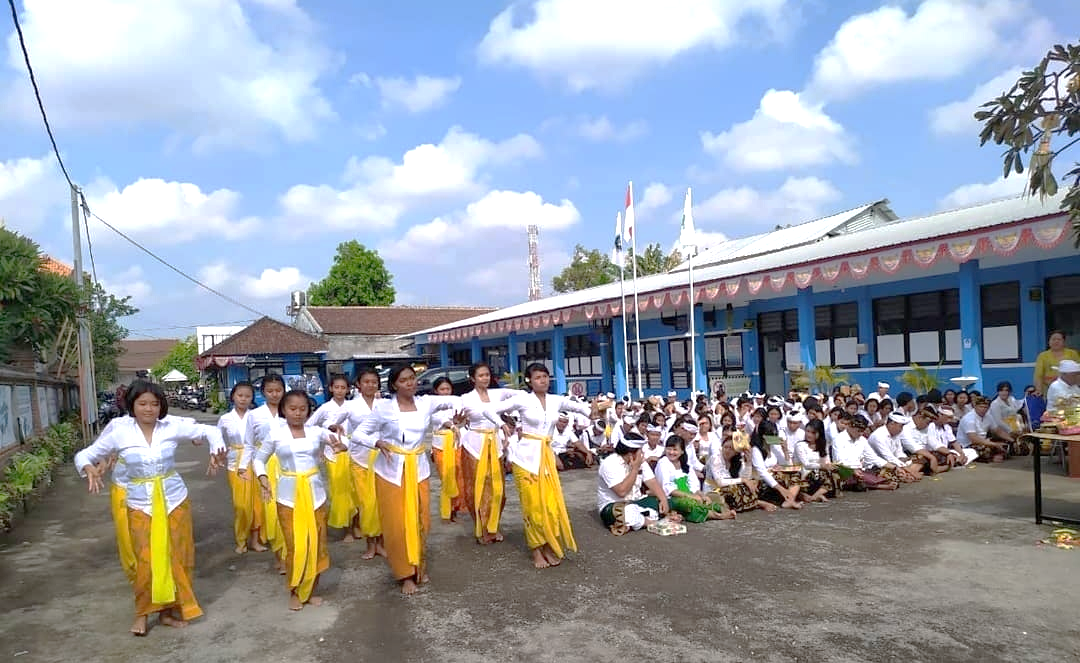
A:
242, 140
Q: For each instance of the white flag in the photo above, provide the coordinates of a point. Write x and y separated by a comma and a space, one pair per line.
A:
687, 234
628, 216
617, 252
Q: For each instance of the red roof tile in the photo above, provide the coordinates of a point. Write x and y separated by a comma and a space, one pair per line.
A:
141, 355
387, 320
267, 336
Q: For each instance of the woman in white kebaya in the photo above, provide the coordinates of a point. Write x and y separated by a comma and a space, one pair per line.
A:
301, 496
338, 472
366, 522
248, 510
260, 423
159, 511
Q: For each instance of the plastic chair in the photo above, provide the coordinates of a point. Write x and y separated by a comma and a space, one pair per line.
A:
1036, 406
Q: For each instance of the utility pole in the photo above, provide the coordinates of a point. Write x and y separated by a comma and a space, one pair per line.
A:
87, 385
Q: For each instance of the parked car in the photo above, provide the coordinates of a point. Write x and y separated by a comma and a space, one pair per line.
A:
311, 383
459, 378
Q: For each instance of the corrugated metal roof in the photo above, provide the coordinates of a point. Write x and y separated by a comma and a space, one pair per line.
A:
903, 232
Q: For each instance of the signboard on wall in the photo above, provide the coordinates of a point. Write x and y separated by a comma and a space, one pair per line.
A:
8, 434
24, 412
579, 389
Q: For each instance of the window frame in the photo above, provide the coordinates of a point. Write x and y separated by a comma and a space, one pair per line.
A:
908, 325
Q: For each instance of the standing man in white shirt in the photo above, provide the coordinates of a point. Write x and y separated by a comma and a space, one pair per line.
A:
1066, 385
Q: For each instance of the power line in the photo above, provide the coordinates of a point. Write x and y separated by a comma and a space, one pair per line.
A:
37, 92
175, 269
205, 324
86, 224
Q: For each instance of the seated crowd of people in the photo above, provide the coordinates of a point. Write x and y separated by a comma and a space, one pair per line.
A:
709, 458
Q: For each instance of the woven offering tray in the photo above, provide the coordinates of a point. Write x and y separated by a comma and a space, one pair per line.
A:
667, 528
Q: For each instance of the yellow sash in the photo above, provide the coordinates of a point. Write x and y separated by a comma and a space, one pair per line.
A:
556, 521
118, 499
305, 536
162, 584
411, 514
369, 503
488, 465
448, 470
340, 491
239, 449
274, 535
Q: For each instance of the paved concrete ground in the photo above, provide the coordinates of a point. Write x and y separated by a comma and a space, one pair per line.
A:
942, 571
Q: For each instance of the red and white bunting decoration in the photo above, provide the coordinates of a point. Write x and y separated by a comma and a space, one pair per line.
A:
1045, 234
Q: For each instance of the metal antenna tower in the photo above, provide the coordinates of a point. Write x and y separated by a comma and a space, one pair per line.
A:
534, 262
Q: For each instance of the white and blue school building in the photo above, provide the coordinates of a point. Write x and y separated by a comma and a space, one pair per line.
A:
970, 292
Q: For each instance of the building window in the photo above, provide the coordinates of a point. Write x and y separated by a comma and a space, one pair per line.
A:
1063, 307
534, 351
923, 328
650, 365
723, 356
461, 357
1001, 322
265, 369
837, 334
780, 329
681, 361
582, 356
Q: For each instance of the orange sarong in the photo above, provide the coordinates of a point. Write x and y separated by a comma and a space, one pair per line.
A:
299, 582
182, 558
392, 515
542, 505
450, 502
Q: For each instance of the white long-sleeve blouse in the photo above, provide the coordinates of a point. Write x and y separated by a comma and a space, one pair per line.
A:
296, 455
537, 419
234, 430
143, 461
472, 439
260, 422
404, 429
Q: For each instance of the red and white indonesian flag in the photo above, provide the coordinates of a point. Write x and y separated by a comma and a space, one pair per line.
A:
628, 215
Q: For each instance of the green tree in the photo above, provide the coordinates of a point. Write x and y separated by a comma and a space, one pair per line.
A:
1043, 104
588, 268
653, 260
34, 303
358, 277
104, 312
181, 357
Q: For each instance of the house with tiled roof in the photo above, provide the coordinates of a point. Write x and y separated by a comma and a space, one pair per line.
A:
373, 334
264, 346
138, 356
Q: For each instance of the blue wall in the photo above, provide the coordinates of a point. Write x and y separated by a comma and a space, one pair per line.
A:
712, 318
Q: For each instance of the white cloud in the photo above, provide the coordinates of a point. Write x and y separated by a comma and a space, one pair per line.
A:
973, 194
420, 94
602, 130
129, 283
167, 212
509, 278
798, 199
269, 284
655, 196
29, 192
941, 39
499, 218
785, 132
607, 43
199, 69
380, 190
957, 117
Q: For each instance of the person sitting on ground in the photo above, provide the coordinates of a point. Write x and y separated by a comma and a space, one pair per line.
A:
974, 432
920, 440
887, 442
730, 474
812, 453
869, 471
653, 450
1008, 420
619, 498
683, 489
570, 452
766, 454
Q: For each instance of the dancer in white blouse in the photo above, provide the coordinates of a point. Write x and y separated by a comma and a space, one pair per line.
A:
159, 512
301, 498
482, 488
260, 422
397, 428
338, 475
248, 511
446, 453
366, 521
547, 526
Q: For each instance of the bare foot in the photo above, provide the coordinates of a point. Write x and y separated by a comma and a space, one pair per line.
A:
539, 560
294, 603
767, 506
280, 566
258, 547
790, 504
138, 628
425, 579
497, 537
369, 553
550, 556
315, 601
721, 515
380, 551
165, 619
408, 587
349, 536
240, 550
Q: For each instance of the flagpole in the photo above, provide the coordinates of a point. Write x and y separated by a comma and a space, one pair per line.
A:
689, 242
637, 309
621, 262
